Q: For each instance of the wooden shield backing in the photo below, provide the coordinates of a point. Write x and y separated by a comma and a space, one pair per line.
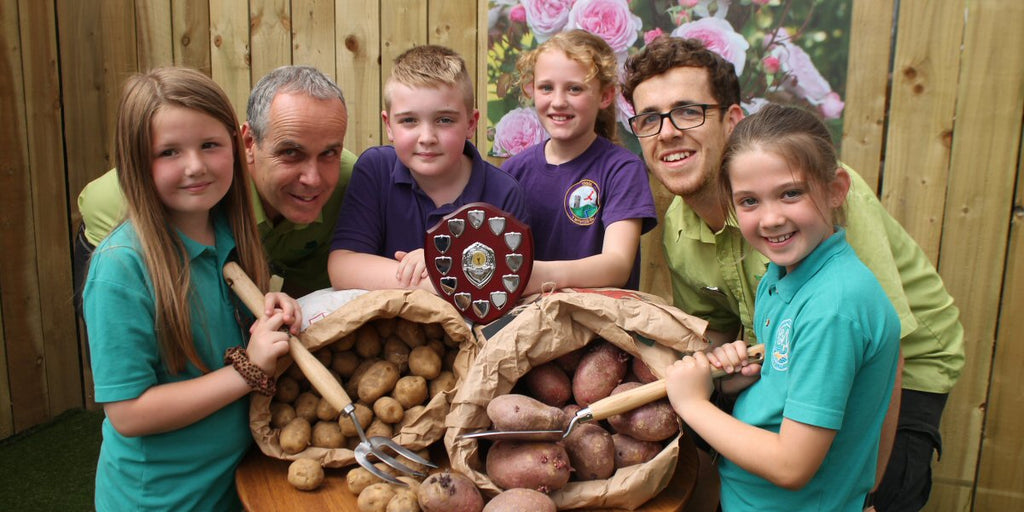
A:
479, 258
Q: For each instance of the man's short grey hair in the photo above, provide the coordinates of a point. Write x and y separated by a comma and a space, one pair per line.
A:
292, 79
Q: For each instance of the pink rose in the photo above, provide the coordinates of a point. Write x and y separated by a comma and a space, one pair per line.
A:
546, 17
651, 35
719, 37
831, 106
689, 3
517, 130
803, 78
609, 19
761, 2
771, 64
517, 14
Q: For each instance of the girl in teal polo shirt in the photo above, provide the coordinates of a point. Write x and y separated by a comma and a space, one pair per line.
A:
804, 435
165, 340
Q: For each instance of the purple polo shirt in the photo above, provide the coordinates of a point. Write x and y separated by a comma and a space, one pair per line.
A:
385, 210
572, 204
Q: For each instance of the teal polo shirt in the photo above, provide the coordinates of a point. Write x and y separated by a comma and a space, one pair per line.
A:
715, 276
832, 343
191, 468
296, 252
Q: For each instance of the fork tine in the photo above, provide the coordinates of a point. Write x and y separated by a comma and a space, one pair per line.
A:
391, 461
407, 453
361, 451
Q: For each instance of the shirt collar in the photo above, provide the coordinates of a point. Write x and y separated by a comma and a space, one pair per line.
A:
693, 227
788, 285
223, 246
473, 188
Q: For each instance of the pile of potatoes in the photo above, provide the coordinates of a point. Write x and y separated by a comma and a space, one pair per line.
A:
442, 491
548, 397
390, 367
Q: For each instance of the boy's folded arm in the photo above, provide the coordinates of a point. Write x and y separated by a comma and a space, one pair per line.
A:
610, 268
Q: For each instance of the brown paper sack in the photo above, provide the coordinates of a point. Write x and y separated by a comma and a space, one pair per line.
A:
555, 325
414, 305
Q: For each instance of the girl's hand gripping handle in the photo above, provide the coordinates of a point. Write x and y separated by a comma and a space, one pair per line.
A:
311, 367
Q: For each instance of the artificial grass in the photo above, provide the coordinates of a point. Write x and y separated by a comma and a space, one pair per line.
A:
52, 466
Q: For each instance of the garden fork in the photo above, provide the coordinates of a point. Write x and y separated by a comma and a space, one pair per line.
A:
329, 388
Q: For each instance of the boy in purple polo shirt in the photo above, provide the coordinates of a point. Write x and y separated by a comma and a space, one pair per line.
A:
398, 192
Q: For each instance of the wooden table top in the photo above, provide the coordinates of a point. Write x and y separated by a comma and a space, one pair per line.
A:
263, 486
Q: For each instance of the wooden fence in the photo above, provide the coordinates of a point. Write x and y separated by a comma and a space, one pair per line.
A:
935, 99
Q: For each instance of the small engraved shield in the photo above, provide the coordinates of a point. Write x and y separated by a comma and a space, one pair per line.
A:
442, 242
512, 240
476, 218
478, 264
481, 308
497, 225
462, 300
443, 264
449, 284
499, 299
456, 227
511, 282
514, 261
472, 266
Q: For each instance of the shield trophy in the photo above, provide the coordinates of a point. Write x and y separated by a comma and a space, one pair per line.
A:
479, 259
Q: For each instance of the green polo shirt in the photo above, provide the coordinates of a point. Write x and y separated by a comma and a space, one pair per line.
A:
715, 277
297, 252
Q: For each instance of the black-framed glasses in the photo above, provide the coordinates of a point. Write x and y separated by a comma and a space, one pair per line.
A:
682, 117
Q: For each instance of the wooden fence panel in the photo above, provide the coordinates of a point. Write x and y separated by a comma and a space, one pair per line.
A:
985, 149
89, 94
313, 35
405, 26
924, 78
359, 70
229, 50
1000, 480
154, 28
190, 21
866, 85
270, 39
60, 363
13, 164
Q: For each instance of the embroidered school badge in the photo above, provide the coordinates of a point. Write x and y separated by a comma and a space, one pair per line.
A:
582, 202
780, 349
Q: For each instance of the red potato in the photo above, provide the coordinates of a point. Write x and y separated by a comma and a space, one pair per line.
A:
591, 452
549, 384
642, 372
532, 465
600, 370
518, 500
449, 492
629, 451
520, 412
568, 362
655, 421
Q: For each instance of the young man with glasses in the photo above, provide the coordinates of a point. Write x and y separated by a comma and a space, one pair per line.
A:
715, 272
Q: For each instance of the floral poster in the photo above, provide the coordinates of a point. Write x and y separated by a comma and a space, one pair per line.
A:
784, 51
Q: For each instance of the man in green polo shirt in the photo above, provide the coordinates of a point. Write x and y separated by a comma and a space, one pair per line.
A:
715, 272
293, 139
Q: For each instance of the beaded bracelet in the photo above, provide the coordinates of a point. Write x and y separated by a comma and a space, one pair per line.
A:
259, 381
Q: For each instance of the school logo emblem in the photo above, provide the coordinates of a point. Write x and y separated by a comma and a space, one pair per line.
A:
582, 202
780, 350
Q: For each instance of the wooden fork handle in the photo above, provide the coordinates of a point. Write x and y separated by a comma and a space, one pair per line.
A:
319, 376
642, 395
